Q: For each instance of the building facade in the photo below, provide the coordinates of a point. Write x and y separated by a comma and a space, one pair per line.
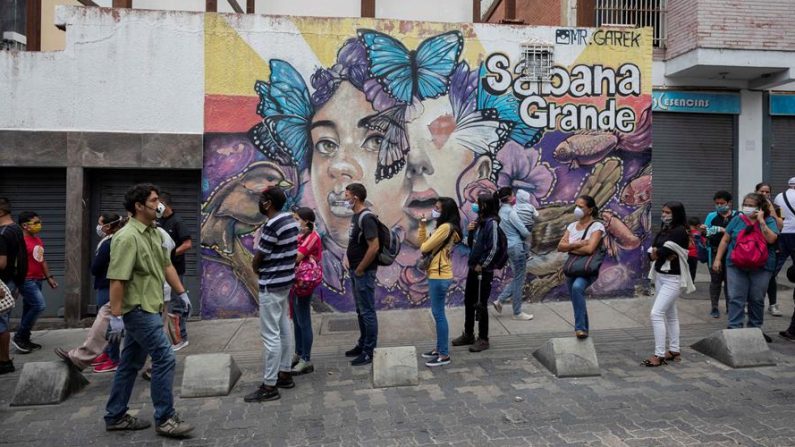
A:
722, 109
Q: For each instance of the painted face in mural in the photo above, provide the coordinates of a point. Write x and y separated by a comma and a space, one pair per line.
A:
435, 163
345, 153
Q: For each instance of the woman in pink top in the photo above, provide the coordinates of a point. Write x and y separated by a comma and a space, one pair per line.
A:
309, 246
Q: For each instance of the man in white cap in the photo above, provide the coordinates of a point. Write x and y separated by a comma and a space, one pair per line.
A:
786, 240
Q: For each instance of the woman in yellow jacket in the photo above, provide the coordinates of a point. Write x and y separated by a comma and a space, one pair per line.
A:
440, 270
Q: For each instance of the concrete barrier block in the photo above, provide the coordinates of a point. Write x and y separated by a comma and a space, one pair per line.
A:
207, 375
47, 383
569, 357
395, 367
738, 348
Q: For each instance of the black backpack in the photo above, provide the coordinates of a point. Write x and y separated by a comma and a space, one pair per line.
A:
388, 240
500, 258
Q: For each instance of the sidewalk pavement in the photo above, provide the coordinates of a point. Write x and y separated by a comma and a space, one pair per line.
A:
501, 396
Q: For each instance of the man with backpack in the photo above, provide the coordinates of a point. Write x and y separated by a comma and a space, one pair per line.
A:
714, 227
363, 251
786, 241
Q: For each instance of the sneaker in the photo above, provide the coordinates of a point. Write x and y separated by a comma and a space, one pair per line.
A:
33, 346
784, 334
295, 360
7, 367
523, 317
180, 345
363, 359
102, 358
302, 367
263, 394
128, 422
432, 354
174, 427
147, 374
497, 306
774, 310
355, 352
715, 313
108, 366
767, 338
438, 361
21, 346
285, 381
480, 345
463, 340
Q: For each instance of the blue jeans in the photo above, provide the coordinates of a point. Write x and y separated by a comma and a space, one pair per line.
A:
364, 295
112, 350
177, 307
437, 289
518, 258
746, 288
302, 325
143, 335
577, 286
32, 306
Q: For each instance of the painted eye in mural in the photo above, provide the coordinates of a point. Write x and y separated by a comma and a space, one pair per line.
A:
373, 143
326, 146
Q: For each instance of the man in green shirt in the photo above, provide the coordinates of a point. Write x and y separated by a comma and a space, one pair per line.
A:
139, 264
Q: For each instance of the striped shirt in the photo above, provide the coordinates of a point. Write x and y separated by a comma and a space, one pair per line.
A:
278, 245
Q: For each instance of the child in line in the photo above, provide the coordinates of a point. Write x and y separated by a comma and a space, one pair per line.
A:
696, 240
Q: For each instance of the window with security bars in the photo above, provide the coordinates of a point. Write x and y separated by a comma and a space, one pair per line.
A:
538, 61
637, 13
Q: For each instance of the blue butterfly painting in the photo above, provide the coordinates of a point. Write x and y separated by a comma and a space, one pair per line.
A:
507, 107
395, 145
408, 74
286, 111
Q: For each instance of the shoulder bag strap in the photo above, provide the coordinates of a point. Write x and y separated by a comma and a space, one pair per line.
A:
786, 200
585, 233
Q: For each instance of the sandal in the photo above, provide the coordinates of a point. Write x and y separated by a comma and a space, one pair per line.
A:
671, 356
650, 363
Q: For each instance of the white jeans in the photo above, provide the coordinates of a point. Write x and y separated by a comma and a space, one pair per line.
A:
664, 317
276, 333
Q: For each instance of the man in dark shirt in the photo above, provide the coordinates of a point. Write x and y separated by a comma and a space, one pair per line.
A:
181, 236
362, 250
715, 225
13, 269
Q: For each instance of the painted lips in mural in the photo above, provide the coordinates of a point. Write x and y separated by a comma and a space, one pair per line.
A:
412, 122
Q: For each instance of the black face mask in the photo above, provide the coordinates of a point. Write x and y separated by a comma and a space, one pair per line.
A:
263, 209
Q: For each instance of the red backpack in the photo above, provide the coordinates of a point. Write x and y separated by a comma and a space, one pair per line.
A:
750, 250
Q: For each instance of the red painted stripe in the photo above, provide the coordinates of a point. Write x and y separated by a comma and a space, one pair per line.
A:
230, 114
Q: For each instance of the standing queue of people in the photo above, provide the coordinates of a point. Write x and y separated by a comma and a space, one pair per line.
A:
135, 272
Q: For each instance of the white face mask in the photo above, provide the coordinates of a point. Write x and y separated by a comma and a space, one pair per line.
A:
435, 214
100, 233
160, 210
579, 213
749, 210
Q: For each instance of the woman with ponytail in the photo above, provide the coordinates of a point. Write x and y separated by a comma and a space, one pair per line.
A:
309, 246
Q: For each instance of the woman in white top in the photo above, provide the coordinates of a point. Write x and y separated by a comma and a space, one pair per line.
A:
582, 238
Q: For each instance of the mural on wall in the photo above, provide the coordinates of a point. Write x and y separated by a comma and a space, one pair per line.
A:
416, 111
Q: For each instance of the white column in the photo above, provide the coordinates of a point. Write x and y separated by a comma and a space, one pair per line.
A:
750, 158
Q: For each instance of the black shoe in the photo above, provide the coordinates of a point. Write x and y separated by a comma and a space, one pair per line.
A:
363, 359
33, 346
787, 335
355, 352
480, 345
7, 367
21, 346
147, 374
285, 382
128, 422
767, 338
174, 427
463, 340
263, 394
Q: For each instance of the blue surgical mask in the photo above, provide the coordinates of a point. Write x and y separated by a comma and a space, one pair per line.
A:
722, 208
475, 208
435, 214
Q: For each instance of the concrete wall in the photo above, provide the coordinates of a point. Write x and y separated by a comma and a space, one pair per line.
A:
435, 11
122, 71
52, 38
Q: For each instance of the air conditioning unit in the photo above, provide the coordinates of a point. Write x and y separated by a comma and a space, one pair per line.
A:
13, 41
